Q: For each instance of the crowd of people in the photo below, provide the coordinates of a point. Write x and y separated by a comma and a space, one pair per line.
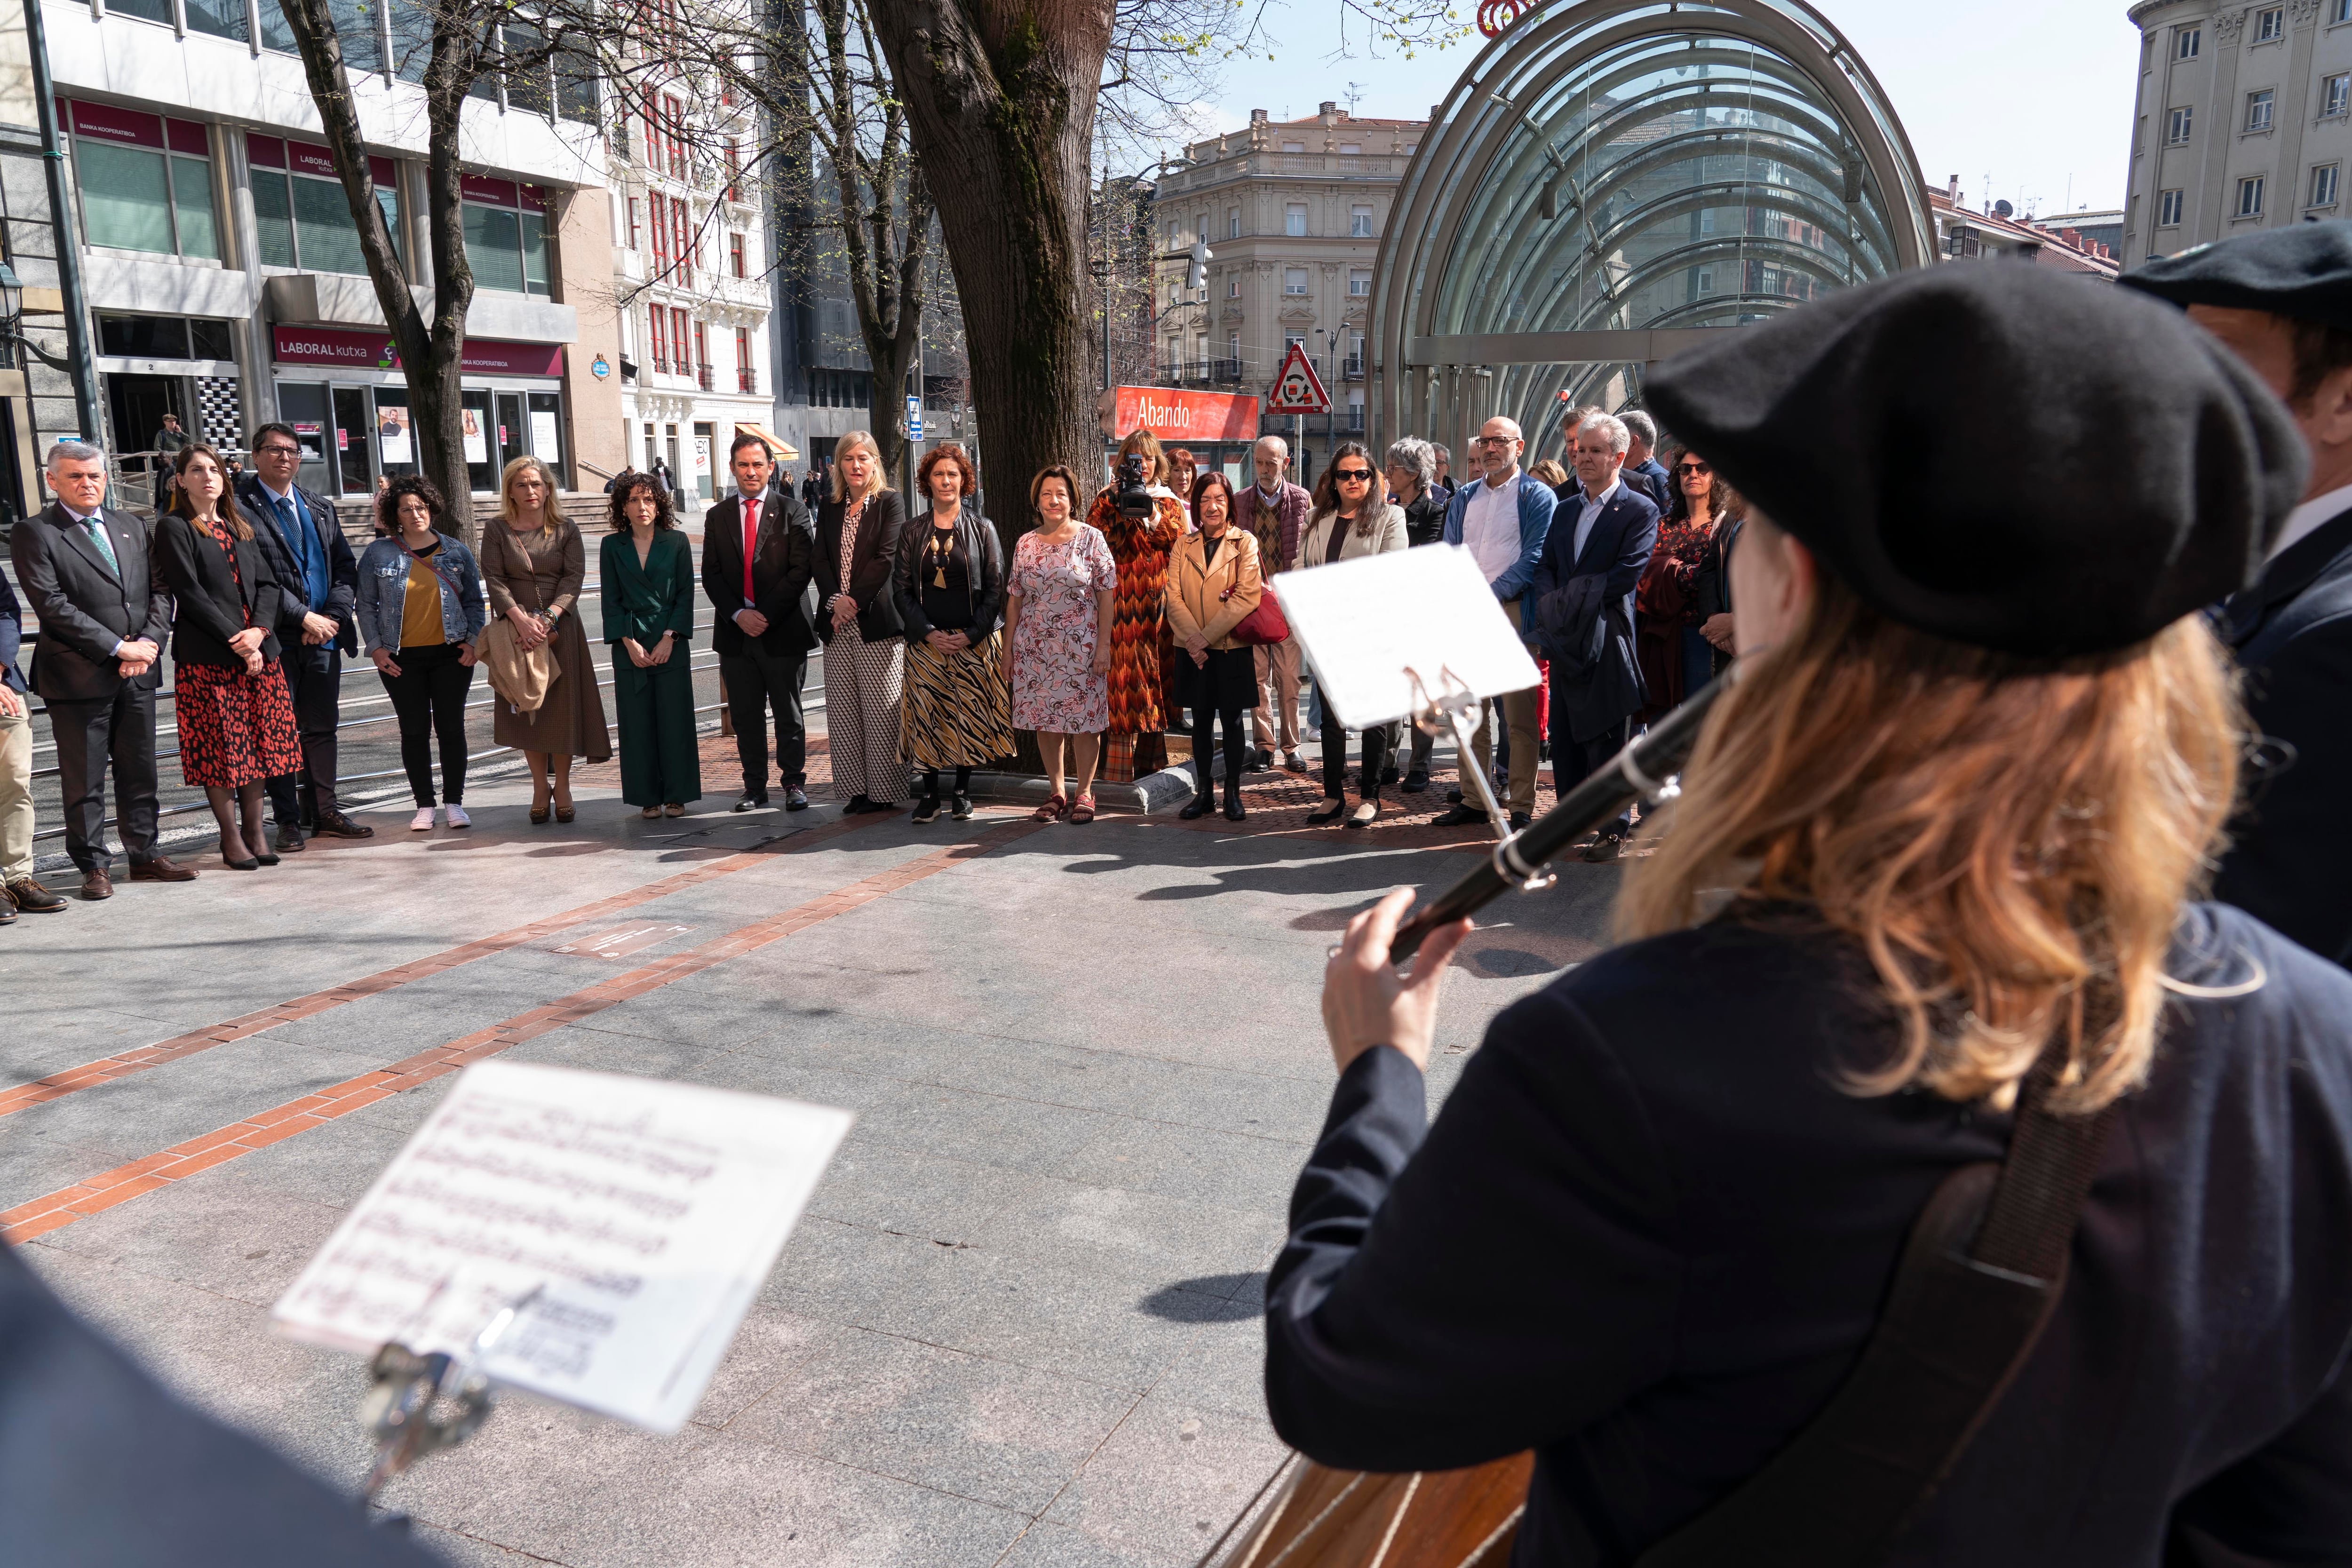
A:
1109, 624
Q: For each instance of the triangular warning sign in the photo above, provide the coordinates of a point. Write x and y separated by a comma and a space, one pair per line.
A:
1296, 388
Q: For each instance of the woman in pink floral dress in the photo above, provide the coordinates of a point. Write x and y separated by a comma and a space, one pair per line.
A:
1057, 611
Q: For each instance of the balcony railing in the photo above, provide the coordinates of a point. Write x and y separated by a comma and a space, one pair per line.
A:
1226, 372
661, 365
1352, 367
704, 377
747, 380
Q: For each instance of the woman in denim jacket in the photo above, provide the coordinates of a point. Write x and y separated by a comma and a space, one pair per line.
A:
420, 607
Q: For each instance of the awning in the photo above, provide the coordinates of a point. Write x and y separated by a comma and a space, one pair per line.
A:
784, 451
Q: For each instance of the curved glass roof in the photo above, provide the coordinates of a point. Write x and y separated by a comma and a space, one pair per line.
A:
1610, 166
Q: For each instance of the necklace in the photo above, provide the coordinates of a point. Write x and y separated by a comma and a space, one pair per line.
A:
941, 550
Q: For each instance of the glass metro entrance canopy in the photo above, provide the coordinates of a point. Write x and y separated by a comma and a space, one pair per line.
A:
1610, 182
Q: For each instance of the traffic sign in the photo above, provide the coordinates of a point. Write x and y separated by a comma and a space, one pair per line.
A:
914, 417
1296, 388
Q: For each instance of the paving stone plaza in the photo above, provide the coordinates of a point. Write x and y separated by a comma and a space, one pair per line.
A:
1019, 1324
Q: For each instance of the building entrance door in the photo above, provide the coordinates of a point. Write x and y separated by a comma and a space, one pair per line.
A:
514, 437
354, 445
135, 405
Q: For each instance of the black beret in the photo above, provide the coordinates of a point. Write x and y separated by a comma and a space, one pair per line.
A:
2304, 270
2002, 454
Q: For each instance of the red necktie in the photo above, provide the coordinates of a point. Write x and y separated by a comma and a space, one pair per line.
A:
751, 543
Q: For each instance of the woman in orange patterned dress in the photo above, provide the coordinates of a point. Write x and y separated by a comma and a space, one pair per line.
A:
1140, 644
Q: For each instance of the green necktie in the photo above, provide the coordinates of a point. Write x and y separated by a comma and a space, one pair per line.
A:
105, 545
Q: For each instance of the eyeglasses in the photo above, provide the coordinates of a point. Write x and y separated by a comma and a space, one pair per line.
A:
1694, 467
1494, 440
1352, 476
277, 450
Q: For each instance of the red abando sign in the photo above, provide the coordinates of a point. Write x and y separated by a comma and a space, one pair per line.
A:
1174, 415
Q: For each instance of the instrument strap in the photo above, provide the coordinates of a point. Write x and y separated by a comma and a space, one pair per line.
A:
1979, 1280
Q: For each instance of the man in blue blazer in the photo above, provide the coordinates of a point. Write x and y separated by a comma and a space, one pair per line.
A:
1503, 518
1599, 546
304, 541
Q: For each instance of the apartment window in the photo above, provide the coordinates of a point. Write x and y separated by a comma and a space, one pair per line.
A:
1705, 281
746, 374
1351, 148
2249, 196
1294, 219
734, 168
1233, 223
702, 356
1359, 221
678, 339
1294, 146
658, 318
219, 19
146, 182
2176, 132
673, 114
2270, 26
2167, 209
2339, 11
1291, 341
633, 223
1201, 354
1175, 360
1294, 280
2336, 95
299, 207
1360, 282
2323, 186
2189, 40
1232, 285
2258, 108
659, 205
165, 337
505, 234
1233, 351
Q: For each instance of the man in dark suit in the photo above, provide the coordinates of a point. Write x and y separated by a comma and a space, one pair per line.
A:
303, 539
1601, 539
1642, 470
2282, 301
85, 570
759, 554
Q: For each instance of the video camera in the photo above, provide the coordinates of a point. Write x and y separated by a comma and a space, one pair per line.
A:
1133, 498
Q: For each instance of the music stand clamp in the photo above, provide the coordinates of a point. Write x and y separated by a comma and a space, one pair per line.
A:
420, 1405
1454, 708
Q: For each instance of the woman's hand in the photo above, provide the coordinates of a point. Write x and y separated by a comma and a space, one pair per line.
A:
529, 630
940, 642
1196, 645
1366, 1003
1101, 665
844, 611
636, 654
1717, 630
660, 654
465, 655
383, 658
245, 642
253, 661
958, 641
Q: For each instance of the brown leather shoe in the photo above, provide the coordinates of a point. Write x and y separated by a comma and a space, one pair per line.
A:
31, 898
160, 869
96, 885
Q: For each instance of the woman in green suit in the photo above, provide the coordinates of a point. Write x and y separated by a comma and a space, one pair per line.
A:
647, 571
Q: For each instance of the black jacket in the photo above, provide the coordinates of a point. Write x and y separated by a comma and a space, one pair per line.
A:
99, 1466
1649, 1231
1424, 517
1711, 585
984, 555
2292, 860
873, 566
213, 605
12, 636
783, 562
342, 566
1593, 687
84, 607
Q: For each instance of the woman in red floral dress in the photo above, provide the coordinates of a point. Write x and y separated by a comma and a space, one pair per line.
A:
1140, 644
236, 721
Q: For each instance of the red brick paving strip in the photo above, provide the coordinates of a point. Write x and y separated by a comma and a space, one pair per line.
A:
95, 1194
105, 1071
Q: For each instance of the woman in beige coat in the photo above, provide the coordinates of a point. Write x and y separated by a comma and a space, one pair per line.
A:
1352, 517
533, 564
1214, 584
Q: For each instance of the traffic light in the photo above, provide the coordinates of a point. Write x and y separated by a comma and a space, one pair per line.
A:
1196, 270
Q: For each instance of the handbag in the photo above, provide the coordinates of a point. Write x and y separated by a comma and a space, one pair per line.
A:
521, 680
1262, 625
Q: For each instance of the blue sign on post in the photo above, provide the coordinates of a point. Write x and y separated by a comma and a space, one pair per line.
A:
914, 417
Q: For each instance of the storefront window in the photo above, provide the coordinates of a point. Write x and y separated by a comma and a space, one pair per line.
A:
146, 182
300, 211
506, 235
219, 19
165, 337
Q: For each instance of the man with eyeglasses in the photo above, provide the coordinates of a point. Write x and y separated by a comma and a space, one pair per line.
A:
304, 540
1503, 518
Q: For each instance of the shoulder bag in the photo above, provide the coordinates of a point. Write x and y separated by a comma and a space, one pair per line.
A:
1265, 624
521, 679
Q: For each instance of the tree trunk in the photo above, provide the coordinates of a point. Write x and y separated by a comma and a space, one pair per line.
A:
1001, 96
431, 353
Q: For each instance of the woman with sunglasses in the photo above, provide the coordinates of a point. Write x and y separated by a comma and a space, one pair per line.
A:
1934, 880
1675, 657
1352, 517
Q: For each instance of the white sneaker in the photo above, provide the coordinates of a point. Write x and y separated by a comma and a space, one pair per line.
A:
457, 817
423, 821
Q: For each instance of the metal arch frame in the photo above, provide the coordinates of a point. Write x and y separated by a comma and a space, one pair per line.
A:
1472, 130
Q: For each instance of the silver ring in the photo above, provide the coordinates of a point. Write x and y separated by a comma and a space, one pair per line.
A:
1334, 950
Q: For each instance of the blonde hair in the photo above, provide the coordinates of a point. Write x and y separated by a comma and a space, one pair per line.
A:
550, 515
851, 442
2009, 840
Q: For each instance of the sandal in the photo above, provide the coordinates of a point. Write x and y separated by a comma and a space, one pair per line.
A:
1082, 810
1328, 811
1052, 810
538, 815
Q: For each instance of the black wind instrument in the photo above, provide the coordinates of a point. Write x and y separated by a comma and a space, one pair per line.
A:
1644, 771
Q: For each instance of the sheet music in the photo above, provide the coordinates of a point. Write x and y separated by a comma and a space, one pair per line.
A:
1363, 623
646, 1213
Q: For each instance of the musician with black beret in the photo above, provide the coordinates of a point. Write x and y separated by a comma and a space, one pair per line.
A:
2281, 299
1950, 820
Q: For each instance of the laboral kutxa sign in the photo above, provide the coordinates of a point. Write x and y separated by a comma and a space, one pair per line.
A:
1175, 416
374, 350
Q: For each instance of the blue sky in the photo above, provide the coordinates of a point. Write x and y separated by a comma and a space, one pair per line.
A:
2035, 94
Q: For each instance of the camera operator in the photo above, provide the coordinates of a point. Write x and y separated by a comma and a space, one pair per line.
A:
1141, 519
